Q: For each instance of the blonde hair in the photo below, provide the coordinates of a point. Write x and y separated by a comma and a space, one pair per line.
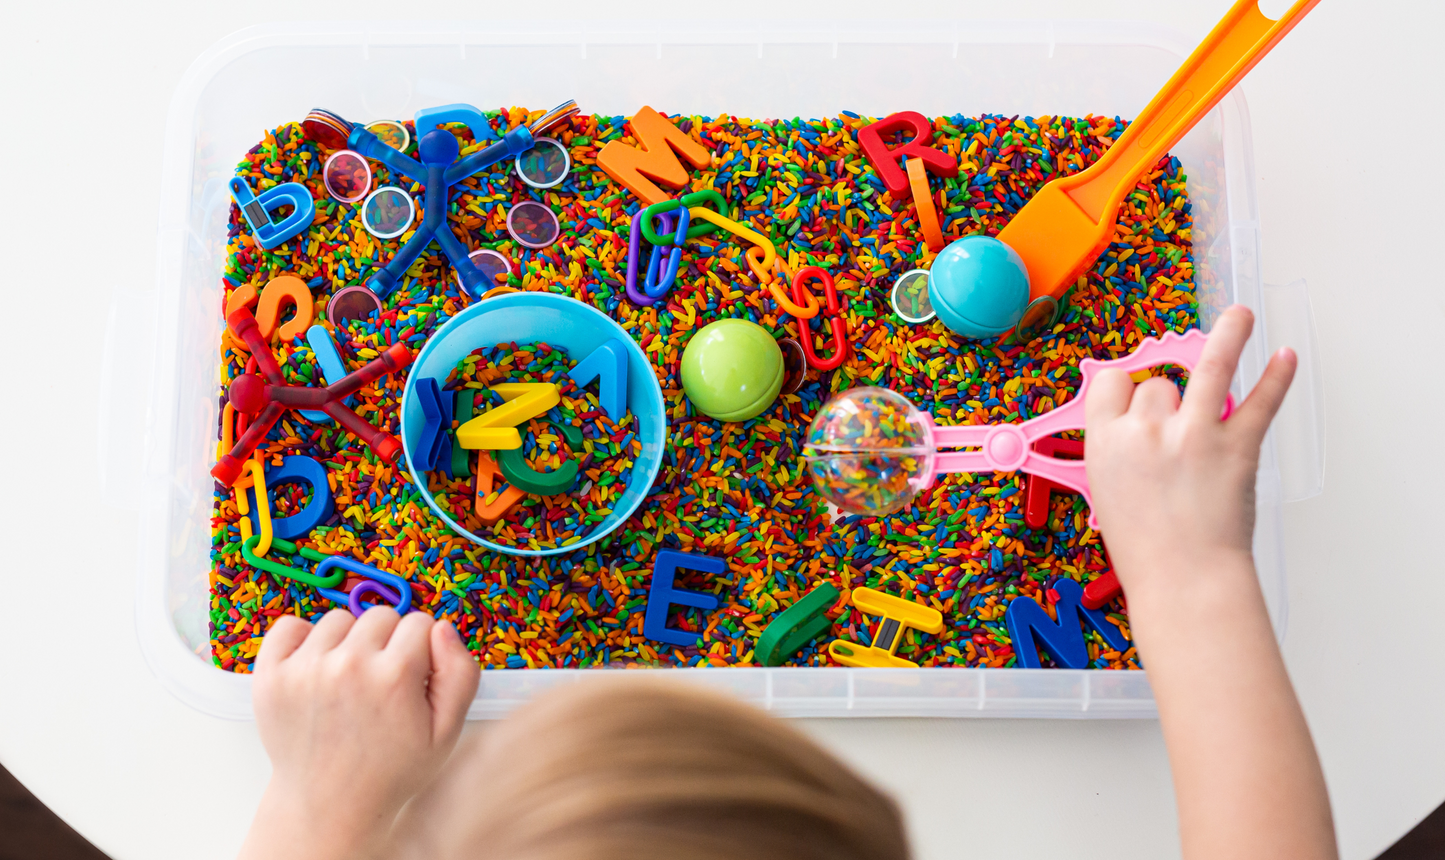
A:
634, 769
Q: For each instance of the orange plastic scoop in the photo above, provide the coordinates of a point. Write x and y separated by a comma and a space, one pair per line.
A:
1063, 229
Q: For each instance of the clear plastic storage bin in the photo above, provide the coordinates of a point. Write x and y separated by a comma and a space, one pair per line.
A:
159, 447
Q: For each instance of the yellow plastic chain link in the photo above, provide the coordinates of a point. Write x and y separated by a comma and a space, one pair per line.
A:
263, 506
762, 257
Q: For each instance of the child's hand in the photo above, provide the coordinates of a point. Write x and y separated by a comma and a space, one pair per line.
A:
357, 715
1172, 485
1173, 488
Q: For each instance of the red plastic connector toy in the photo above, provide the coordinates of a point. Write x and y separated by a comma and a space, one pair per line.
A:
270, 397
1036, 513
1102, 590
835, 318
1038, 489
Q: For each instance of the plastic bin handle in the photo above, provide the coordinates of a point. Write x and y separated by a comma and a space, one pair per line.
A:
1299, 428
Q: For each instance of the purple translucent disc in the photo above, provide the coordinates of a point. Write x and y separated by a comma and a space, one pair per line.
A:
795, 364
533, 224
347, 176
492, 263
352, 303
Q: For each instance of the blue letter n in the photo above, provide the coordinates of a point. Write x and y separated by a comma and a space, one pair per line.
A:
1030, 628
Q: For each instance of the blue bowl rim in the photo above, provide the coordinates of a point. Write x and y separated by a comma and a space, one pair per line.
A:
565, 303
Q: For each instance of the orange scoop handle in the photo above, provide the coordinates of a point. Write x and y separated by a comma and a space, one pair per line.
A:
1226, 55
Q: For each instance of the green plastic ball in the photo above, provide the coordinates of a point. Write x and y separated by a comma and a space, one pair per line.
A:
732, 370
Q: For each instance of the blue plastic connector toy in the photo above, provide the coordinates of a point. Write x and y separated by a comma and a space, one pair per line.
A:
257, 210
663, 595
432, 118
438, 170
328, 362
365, 571
608, 365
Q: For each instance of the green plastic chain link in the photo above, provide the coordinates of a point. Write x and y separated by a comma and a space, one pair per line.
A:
286, 572
697, 198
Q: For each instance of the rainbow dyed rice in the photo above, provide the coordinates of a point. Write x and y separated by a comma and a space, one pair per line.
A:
734, 490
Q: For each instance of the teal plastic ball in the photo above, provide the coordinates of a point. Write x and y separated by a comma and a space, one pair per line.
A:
979, 286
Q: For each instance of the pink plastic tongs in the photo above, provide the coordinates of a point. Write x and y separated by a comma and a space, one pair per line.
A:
1009, 447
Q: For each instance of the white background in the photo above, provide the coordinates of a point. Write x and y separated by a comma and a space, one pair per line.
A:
1347, 121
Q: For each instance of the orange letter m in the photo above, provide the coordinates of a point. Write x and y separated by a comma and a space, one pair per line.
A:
631, 167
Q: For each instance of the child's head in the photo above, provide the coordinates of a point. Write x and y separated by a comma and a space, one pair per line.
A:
637, 769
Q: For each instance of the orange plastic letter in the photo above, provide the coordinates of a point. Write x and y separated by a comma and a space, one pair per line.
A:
279, 289
923, 203
487, 472
653, 157
243, 296
268, 310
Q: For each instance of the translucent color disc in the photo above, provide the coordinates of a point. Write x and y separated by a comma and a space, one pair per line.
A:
910, 297
347, 176
795, 365
532, 224
388, 212
545, 164
391, 133
555, 117
492, 263
351, 303
1039, 317
326, 128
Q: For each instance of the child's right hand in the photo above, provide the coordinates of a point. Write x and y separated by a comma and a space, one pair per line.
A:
357, 715
1173, 489
1172, 485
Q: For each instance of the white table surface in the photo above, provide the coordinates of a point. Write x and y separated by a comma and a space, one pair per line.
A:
1345, 116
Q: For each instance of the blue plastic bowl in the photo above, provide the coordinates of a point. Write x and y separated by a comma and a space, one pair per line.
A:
558, 321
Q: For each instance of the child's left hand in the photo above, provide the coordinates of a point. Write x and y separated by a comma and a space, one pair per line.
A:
357, 715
